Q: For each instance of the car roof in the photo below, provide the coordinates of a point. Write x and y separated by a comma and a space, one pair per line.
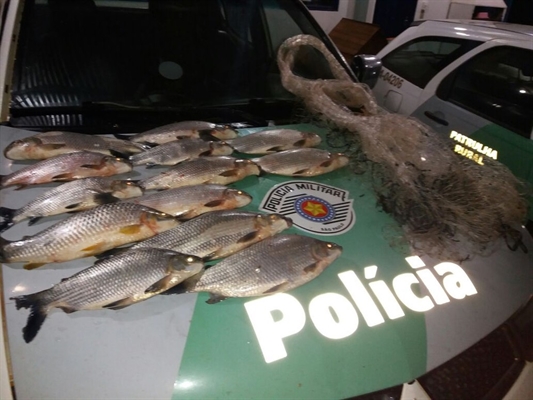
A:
496, 28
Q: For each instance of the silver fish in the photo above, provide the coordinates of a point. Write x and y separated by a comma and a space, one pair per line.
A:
273, 265
66, 167
218, 234
78, 195
220, 170
189, 201
113, 283
301, 162
184, 129
175, 152
53, 143
87, 233
274, 140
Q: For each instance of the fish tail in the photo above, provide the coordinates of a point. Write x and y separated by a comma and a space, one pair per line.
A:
6, 218
38, 313
3, 243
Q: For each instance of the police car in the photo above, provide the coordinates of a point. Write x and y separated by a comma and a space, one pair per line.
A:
385, 320
472, 81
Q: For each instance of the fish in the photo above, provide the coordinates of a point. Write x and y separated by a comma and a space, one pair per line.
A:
274, 140
113, 283
301, 162
216, 234
220, 170
274, 265
175, 152
78, 195
184, 129
53, 143
87, 233
66, 167
190, 201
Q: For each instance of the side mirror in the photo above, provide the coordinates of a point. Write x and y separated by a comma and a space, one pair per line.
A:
366, 68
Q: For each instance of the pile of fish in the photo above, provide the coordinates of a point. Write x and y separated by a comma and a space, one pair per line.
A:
158, 243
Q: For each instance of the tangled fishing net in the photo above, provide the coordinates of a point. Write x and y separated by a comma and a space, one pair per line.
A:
447, 205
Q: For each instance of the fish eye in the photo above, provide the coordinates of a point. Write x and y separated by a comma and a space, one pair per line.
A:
190, 259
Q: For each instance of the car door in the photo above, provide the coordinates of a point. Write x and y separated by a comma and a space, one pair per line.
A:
485, 105
409, 67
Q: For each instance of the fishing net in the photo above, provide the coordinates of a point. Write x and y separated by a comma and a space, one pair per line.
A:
447, 205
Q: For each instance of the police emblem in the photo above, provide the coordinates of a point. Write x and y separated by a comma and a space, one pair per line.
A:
313, 207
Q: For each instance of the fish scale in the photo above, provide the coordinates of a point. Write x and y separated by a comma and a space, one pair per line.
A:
216, 170
275, 264
113, 283
75, 236
218, 234
269, 141
190, 201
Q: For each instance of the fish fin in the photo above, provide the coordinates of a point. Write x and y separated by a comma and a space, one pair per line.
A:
214, 203
206, 153
299, 143
52, 146
248, 237
326, 163
21, 187
3, 242
72, 206
120, 304
130, 229
119, 154
62, 177
31, 266
275, 148
33, 220
278, 288
215, 298
161, 285
231, 172
104, 198
6, 218
301, 171
91, 166
67, 309
35, 319
110, 253
150, 165
94, 249
311, 268
187, 286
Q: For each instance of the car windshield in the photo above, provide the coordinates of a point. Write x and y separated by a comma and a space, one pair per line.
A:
152, 57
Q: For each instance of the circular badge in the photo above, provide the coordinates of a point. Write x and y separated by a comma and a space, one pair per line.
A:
314, 209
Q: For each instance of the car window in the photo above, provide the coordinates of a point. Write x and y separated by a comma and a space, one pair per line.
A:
421, 59
497, 84
152, 52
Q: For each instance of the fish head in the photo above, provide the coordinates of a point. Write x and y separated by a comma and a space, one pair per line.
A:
158, 221
237, 198
224, 132
324, 253
273, 223
22, 149
185, 265
126, 189
220, 149
247, 167
311, 139
116, 165
339, 160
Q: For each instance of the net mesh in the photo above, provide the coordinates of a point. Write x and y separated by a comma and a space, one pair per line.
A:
447, 205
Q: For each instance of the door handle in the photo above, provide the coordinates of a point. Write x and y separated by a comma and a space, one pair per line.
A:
436, 118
